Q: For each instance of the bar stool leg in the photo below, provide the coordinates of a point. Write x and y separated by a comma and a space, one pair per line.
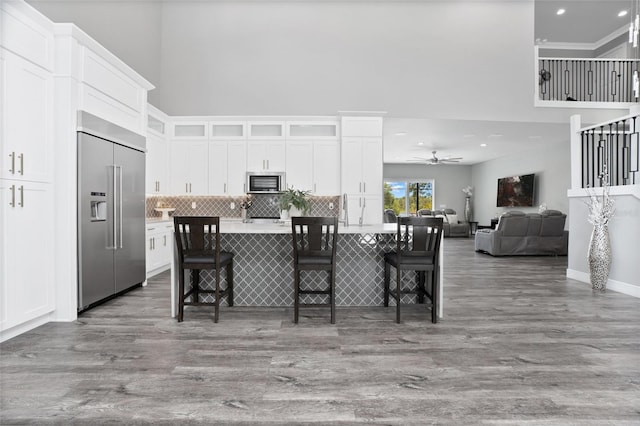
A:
332, 296
387, 278
296, 294
217, 301
398, 293
230, 283
180, 294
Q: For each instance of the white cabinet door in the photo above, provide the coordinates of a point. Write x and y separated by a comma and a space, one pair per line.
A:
351, 166
237, 171
372, 166
326, 167
159, 247
189, 167
227, 167
27, 112
266, 156
25, 292
218, 167
156, 161
299, 170
152, 254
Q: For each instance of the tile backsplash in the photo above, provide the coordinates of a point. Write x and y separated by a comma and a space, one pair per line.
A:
264, 205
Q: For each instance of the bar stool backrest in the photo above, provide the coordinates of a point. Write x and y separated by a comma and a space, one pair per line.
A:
314, 236
197, 236
419, 237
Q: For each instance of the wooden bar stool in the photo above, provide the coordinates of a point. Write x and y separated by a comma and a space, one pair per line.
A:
314, 248
198, 244
418, 249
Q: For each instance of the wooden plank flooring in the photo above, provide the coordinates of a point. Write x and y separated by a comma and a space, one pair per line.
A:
520, 344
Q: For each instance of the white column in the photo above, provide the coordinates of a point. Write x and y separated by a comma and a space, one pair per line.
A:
576, 152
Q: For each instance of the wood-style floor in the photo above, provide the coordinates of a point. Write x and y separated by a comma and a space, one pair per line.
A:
519, 344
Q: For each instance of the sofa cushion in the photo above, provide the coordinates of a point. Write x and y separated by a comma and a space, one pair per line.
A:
535, 221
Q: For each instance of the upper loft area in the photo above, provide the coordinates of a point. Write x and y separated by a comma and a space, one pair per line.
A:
587, 54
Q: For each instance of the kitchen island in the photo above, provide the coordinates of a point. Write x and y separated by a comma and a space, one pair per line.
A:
263, 265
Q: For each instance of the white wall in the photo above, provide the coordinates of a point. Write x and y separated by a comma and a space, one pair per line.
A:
448, 181
553, 179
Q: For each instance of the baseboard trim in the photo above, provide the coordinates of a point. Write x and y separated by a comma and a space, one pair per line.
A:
617, 286
24, 327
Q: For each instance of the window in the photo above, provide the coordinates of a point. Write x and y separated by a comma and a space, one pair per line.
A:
408, 197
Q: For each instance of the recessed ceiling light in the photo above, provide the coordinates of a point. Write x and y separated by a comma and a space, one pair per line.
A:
622, 13
495, 135
401, 134
483, 145
560, 12
420, 143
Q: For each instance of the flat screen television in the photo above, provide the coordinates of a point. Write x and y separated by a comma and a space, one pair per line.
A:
516, 191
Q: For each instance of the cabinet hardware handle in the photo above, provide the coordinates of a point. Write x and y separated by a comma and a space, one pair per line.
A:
165, 240
364, 186
359, 186
12, 203
21, 189
21, 157
359, 202
225, 188
12, 170
150, 243
314, 187
364, 202
186, 187
190, 190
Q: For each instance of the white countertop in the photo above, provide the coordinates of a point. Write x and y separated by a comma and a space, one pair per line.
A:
236, 226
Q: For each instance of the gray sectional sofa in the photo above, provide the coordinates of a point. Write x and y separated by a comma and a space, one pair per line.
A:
521, 233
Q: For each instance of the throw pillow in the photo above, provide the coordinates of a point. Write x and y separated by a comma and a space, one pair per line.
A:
452, 218
444, 217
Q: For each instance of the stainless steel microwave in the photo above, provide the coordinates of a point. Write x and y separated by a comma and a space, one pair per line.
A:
265, 182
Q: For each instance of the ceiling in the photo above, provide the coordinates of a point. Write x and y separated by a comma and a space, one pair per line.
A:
451, 75
478, 141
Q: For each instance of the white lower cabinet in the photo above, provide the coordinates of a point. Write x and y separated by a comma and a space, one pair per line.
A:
26, 252
159, 247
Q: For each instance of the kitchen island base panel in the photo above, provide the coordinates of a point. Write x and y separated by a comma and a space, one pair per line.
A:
263, 270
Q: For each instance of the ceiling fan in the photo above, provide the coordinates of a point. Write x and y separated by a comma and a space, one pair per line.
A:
434, 160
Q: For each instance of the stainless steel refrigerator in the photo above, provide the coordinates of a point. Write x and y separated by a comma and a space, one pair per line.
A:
111, 210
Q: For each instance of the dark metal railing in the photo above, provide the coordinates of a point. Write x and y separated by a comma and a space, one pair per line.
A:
616, 145
587, 80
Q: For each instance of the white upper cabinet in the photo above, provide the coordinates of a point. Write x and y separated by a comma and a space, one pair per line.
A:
266, 130
326, 167
189, 167
299, 172
190, 130
27, 119
266, 156
228, 130
227, 167
157, 151
362, 165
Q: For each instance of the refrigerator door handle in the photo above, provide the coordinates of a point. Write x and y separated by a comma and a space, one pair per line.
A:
120, 221
115, 208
